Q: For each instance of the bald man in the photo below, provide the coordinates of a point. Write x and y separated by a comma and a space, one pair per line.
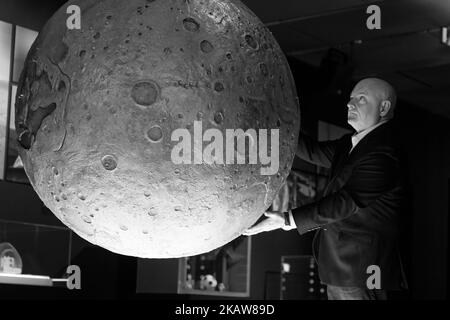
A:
357, 218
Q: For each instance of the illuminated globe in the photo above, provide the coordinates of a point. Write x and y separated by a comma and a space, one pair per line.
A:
97, 109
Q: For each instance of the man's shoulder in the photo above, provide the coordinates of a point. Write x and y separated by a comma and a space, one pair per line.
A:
384, 135
382, 141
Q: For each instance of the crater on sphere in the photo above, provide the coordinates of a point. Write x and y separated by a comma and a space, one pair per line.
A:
206, 46
264, 70
145, 93
219, 87
191, 25
251, 41
218, 117
109, 162
155, 134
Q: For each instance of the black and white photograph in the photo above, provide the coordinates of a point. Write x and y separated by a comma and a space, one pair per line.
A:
225, 157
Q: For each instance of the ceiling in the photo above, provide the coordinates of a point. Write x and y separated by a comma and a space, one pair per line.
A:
406, 51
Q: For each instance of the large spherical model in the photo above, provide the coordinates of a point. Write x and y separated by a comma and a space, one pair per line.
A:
97, 108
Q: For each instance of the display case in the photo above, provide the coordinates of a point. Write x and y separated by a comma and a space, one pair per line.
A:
224, 272
32, 254
300, 279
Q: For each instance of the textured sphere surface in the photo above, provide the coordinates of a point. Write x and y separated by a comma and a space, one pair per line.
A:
96, 108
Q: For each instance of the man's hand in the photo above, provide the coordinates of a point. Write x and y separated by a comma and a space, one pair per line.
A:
274, 220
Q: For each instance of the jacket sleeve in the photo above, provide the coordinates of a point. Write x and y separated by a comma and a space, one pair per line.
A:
372, 175
318, 153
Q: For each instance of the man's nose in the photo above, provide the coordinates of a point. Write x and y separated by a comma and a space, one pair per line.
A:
350, 106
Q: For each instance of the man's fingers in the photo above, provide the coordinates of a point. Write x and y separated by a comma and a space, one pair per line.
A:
254, 230
247, 233
269, 214
265, 225
251, 231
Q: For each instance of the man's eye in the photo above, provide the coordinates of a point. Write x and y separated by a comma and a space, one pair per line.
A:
362, 99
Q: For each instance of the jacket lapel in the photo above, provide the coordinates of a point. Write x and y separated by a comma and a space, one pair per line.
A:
343, 155
364, 144
346, 157
341, 158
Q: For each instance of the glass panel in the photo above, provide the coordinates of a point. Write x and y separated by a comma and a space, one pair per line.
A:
14, 171
12, 110
5, 62
3, 113
221, 272
37, 249
5, 50
24, 40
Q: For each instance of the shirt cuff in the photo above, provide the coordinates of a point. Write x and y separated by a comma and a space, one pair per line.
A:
291, 220
303, 217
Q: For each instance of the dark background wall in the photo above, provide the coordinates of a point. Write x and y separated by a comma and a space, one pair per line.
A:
426, 140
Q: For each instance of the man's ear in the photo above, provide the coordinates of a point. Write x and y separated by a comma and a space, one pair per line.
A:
385, 108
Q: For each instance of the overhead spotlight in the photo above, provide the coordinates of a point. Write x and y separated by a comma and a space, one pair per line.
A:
444, 38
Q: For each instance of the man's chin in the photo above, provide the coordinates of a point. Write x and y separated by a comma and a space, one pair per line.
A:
352, 122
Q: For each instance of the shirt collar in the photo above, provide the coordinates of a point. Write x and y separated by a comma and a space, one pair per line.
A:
357, 137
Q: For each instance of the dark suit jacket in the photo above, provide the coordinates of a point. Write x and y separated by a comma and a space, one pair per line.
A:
359, 212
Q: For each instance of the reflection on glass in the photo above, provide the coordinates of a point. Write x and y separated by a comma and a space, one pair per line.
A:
300, 279
3, 113
5, 61
44, 250
13, 101
10, 260
24, 40
221, 272
14, 171
5, 50
3, 125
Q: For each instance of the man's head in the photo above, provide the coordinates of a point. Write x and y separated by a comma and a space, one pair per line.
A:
371, 101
